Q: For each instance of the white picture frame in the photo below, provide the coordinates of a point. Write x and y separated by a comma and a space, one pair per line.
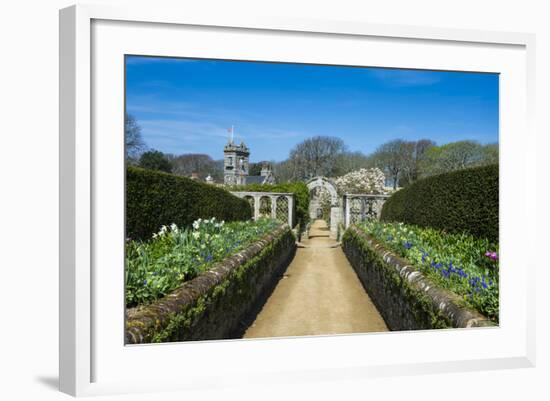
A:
82, 163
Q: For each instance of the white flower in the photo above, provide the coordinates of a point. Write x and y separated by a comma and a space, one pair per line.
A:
196, 234
362, 181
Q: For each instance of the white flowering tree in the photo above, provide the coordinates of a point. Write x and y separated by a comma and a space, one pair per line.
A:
362, 181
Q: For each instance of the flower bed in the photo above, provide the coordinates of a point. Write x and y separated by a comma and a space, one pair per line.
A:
460, 263
174, 255
219, 303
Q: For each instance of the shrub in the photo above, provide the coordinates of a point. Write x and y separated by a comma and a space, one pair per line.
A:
460, 201
155, 160
154, 199
299, 189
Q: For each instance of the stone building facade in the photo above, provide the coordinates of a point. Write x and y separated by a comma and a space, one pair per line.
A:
235, 163
236, 166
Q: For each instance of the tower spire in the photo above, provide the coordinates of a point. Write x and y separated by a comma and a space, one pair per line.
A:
231, 132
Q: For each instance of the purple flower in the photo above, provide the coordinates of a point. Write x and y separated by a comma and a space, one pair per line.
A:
492, 255
424, 254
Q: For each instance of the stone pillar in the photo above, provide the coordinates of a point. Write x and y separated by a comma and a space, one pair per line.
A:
347, 202
380, 204
290, 200
334, 220
256, 207
273, 206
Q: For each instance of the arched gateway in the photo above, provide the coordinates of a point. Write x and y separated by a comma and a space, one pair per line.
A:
335, 204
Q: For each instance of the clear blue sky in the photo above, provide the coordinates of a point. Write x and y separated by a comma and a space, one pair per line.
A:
186, 106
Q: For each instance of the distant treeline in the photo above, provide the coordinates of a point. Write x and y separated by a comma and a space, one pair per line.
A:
402, 162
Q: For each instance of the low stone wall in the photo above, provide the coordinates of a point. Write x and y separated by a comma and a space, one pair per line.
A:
221, 302
406, 298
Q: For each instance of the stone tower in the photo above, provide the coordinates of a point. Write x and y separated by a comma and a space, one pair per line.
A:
235, 163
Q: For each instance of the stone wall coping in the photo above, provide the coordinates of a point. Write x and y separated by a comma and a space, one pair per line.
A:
141, 320
255, 193
363, 195
447, 302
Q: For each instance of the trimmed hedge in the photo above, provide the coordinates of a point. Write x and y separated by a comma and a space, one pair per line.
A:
299, 189
460, 201
154, 199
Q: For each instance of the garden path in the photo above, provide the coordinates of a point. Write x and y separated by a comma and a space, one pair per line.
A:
318, 294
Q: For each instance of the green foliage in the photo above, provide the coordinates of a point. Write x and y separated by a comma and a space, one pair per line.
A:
457, 156
466, 265
155, 160
403, 306
158, 266
219, 312
299, 189
255, 168
460, 201
154, 199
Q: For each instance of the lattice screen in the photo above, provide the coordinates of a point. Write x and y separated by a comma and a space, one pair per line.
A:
265, 206
363, 208
282, 209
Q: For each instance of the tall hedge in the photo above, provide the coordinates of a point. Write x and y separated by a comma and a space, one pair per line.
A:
460, 201
299, 189
154, 199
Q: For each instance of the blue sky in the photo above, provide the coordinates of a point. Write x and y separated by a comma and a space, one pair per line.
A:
186, 105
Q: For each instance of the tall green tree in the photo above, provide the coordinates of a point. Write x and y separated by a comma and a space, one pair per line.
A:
453, 156
490, 153
155, 160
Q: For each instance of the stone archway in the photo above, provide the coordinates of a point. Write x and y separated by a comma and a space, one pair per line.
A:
335, 206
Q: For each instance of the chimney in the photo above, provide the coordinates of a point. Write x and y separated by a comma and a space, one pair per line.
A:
265, 170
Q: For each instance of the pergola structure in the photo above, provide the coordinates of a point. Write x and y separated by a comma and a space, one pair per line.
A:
360, 207
277, 205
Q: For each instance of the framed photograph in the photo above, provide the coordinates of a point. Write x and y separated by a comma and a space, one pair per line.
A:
278, 199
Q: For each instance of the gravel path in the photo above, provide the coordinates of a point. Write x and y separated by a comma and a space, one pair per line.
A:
319, 294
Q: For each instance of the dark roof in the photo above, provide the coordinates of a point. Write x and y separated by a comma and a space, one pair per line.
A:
254, 179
